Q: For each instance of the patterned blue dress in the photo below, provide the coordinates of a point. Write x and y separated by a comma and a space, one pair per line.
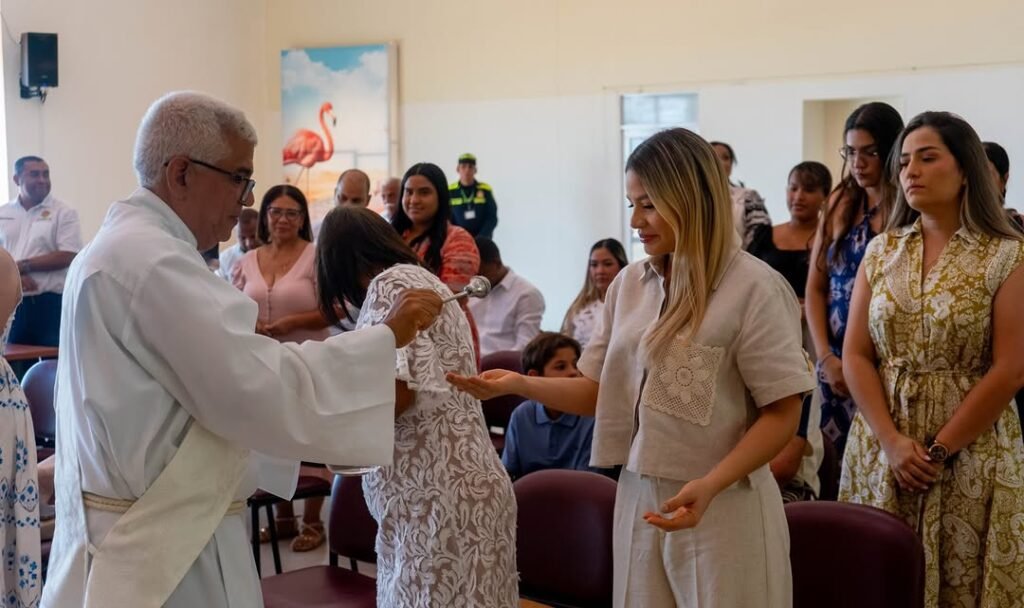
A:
837, 411
21, 582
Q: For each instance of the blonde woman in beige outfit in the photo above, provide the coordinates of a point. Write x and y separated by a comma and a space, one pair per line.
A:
695, 374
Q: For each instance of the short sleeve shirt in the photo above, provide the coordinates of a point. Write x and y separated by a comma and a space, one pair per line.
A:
679, 418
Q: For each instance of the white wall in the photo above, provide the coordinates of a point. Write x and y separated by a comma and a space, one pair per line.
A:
531, 87
767, 135
115, 58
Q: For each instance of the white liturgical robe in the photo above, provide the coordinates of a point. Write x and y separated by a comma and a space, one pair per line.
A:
152, 342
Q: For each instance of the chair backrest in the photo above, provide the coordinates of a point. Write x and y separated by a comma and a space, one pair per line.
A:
846, 555
564, 537
38, 387
498, 411
829, 470
351, 530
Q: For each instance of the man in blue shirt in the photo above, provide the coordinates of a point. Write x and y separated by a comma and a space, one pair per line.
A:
538, 437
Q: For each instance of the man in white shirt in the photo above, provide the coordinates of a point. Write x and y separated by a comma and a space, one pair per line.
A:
509, 317
165, 393
43, 235
246, 239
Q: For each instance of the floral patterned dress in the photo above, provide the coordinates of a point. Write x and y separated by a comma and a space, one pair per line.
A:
446, 510
934, 343
21, 583
844, 258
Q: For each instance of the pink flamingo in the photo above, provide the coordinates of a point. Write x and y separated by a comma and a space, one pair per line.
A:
305, 147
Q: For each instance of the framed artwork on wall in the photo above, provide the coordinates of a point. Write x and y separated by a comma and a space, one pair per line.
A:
339, 110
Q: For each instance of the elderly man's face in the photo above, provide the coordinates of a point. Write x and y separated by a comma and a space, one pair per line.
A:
353, 189
216, 198
390, 193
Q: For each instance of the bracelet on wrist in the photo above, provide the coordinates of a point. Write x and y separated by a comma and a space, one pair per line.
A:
825, 357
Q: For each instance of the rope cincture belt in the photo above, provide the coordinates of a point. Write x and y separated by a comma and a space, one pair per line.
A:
118, 505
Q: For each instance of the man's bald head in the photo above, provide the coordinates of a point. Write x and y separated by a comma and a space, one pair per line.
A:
353, 188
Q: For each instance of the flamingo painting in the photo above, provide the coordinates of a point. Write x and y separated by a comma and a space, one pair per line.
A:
306, 148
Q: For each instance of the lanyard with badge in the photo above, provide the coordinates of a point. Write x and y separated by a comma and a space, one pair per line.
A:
470, 211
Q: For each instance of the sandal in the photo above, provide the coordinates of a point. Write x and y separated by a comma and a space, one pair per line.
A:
286, 529
310, 537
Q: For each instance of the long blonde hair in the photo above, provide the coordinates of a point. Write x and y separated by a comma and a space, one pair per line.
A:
689, 189
982, 210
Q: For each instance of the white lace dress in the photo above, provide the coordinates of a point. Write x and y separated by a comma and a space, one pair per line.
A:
446, 510
21, 582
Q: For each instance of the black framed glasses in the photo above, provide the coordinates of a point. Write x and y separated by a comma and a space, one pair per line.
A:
248, 184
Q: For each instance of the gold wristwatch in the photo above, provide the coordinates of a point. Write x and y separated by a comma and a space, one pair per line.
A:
937, 451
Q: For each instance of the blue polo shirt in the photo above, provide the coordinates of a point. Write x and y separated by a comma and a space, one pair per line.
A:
534, 442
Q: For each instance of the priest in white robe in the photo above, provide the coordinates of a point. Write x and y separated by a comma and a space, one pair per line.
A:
171, 410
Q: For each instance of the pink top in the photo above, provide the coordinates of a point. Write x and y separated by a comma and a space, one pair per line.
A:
292, 293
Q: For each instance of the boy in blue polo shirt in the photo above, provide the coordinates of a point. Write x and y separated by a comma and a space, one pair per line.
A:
540, 438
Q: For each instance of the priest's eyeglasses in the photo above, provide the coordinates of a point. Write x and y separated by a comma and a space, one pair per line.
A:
247, 183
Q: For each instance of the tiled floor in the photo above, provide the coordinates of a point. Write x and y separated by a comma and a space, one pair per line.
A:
290, 560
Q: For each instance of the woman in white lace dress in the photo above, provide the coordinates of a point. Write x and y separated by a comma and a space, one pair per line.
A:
21, 569
445, 508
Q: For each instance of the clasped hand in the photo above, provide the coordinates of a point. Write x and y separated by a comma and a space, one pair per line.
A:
910, 464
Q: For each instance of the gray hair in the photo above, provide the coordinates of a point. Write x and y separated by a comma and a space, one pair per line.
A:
186, 123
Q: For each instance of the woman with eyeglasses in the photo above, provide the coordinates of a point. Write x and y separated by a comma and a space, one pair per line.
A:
856, 212
280, 276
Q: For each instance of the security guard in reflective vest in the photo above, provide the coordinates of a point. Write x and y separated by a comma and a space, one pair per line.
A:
473, 205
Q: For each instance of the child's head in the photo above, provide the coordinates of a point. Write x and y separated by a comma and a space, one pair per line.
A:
551, 355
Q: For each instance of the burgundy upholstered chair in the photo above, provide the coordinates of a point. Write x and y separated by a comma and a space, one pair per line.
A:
351, 532
850, 556
564, 537
498, 411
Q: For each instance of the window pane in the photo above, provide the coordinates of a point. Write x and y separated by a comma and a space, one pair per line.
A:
639, 110
676, 109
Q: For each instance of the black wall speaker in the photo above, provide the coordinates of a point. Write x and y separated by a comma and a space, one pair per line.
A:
38, 60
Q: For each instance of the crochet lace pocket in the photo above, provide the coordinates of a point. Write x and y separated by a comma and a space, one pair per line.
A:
682, 384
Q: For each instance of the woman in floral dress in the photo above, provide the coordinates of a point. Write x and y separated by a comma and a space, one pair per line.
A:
934, 353
21, 580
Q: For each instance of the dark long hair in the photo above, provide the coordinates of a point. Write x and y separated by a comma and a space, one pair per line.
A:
276, 192
982, 209
884, 124
355, 245
438, 231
